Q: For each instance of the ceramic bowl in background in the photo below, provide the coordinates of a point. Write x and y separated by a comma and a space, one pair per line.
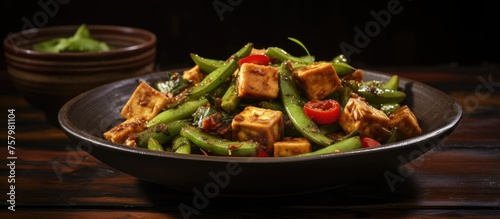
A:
48, 80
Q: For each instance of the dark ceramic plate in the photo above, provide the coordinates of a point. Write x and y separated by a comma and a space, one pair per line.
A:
88, 115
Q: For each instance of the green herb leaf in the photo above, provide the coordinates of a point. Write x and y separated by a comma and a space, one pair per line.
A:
79, 42
175, 84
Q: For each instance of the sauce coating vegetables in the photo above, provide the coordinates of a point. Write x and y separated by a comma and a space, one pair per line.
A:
265, 103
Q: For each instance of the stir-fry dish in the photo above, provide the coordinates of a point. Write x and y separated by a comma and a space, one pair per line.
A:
266, 103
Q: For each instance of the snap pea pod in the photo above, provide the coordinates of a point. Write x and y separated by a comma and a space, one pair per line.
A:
205, 64
230, 100
350, 135
182, 111
373, 92
375, 95
160, 132
388, 108
293, 107
213, 80
218, 146
348, 144
340, 59
392, 83
344, 95
274, 105
331, 128
181, 145
343, 69
220, 90
209, 65
282, 55
243, 52
154, 145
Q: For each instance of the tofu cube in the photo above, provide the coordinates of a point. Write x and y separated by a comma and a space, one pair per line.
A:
257, 82
291, 147
406, 122
264, 126
122, 131
193, 75
258, 51
145, 103
357, 75
361, 116
318, 80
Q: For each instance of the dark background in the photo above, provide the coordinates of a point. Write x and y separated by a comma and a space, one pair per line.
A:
425, 33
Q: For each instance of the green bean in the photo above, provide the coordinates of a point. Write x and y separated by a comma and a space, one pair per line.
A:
331, 128
160, 132
392, 83
274, 105
373, 92
154, 145
293, 107
344, 95
214, 79
243, 52
340, 59
388, 108
230, 100
350, 135
282, 55
205, 64
220, 90
296, 65
208, 65
343, 69
182, 111
375, 95
219, 146
181, 145
348, 144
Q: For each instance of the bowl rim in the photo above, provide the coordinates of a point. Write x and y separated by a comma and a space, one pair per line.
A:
13, 48
437, 135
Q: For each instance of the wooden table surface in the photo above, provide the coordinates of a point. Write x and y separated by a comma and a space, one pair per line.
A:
458, 178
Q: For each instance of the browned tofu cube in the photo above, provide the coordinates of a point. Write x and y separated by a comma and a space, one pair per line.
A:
361, 116
145, 103
291, 147
406, 123
264, 126
193, 75
257, 82
357, 75
258, 51
122, 131
318, 80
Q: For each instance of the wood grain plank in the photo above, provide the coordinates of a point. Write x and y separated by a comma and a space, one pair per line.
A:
435, 179
364, 212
